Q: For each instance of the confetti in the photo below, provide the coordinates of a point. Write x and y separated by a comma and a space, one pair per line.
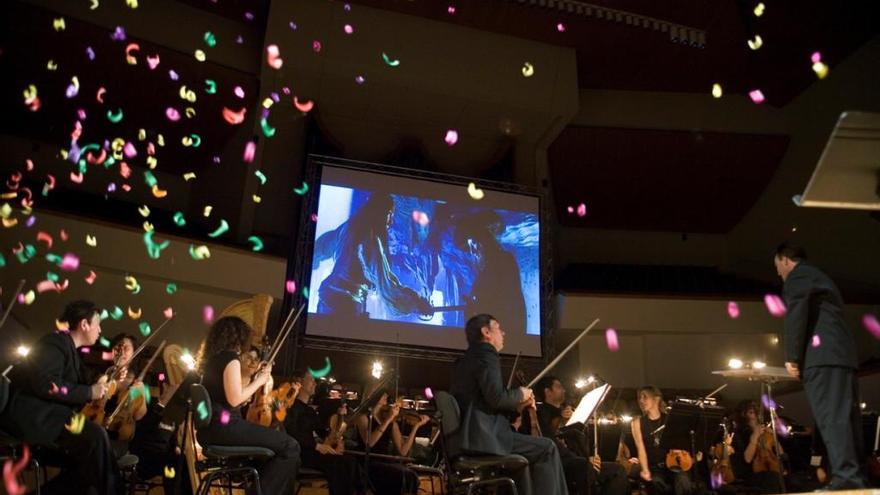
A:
257, 242
117, 313
202, 409
144, 211
359, 79
303, 107
169, 472
114, 117
348, 29
90, 279
76, 424
290, 286
581, 210
210, 86
208, 314
210, 39
91, 240
273, 57
189, 176
153, 61
321, 373
528, 70
178, 219
611, 339
717, 91
429, 394
302, 190
757, 96
819, 67
207, 211
221, 229
560, 27
45, 237
306, 292
774, 305
58, 24
316, 46
144, 328
154, 249
756, 42
12, 468
200, 55
172, 114
134, 315
131, 284
260, 175
451, 137
389, 62
474, 192
233, 117
199, 253
31, 99
250, 149
268, 130
759, 9
224, 417
816, 341
450, 10
871, 324
69, 263
733, 310
72, 88
129, 50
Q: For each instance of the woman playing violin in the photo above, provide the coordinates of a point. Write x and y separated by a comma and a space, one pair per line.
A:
646, 431
753, 445
123, 346
221, 370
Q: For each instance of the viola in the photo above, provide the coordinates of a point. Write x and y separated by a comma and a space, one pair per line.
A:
283, 397
766, 457
338, 425
531, 411
722, 471
122, 419
679, 460
260, 410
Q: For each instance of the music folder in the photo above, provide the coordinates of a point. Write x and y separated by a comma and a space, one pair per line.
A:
588, 404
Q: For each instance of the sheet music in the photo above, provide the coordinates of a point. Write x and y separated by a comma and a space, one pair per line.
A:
588, 404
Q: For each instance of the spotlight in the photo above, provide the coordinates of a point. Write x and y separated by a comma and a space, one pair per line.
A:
774, 340
377, 370
863, 406
757, 365
735, 364
22, 350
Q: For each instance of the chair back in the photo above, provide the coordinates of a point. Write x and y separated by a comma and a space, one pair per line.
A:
201, 405
450, 414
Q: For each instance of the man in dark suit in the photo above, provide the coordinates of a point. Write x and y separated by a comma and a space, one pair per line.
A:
483, 399
48, 390
820, 350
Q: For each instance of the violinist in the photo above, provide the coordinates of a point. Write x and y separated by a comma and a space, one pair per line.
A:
221, 370
647, 431
303, 423
751, 442
379, 425
47, 392
582, 470
123, 346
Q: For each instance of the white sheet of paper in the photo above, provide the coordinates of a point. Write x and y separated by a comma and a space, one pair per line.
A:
588, 404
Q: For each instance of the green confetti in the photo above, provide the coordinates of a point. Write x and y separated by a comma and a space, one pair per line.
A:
222, 229
391, 63
114, 117
321, 373
150, 178
179, 220
260, 175
268, 130
196, 139
2, 261
117, 313
171, 288
210, 39
53, 258
145, 328
302, 190
82, 155
210, 86
135, 392
203, 410
104, 314
154, 250
258, 244
52, 276
306, 292
104, 342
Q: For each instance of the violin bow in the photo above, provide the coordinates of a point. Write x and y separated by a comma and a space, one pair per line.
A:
282, 335
140, 348
561, 354
513, 370
140, 377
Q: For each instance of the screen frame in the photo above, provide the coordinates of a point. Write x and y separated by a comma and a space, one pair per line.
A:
300, 260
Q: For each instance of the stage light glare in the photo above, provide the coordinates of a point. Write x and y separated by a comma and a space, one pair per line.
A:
591, 379
735, 364
863, 406
188, 360
22, 350
377, 370
757, 365
626, 418
774, 340
580, 383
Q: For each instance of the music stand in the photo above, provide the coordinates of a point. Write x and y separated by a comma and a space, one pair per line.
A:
692, 427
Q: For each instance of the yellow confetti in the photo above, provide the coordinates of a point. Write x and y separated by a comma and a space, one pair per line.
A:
144, 211
716, 90
148, 227
94, 5
820, 69
267, 103
199, 252
257, 199
51, 65
131, 283
91, 240
160, 140
528, 70
759, 9
5, 210
142, 134
76, 423
62, 326
134, 315
187, 94
189, 176
200, 55
159, 193
474, 192
29, 297
152, 162
190, 112
58, 24
207, 211
132, 3
169, 471
10, 222
756, 43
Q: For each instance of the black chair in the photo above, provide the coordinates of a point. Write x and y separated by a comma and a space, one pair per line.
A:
468, 471
224, 461
11, 447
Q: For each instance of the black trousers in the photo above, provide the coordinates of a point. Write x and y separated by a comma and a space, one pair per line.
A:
580, 474
278, 474
94, 464
343, 472
833, 392
545, 475
666, 482
390, 478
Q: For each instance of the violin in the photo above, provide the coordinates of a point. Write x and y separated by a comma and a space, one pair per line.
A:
722, 471
122, 418
338, 425
260, 410
766, 457
679, 460
532, 411
283, 397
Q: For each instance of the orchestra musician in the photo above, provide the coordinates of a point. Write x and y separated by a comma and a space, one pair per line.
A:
221, 372
303, 423
647, 430
47, 392
748, 445
582, 470
379, 425
122, 347
478, 388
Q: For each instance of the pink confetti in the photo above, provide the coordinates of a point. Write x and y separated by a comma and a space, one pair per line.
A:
570, 209
107, 356
249, 149
774, 305
70, 262
816, 341
816, 57
733, 310
76, 178
871, 324
45, 237
290, 286
224, 417
757, 96
316, 46
10, 472
611, 339
359, 79
429, 394
47, 285
161, 376
560, 27
85, 350
348, 29
239, 92
91, 278
450, 10
582, 210
129, 150
168, 313
153, 61
208, 314
172, 114
451, 137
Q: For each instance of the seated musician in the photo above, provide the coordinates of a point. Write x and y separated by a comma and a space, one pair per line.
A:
302, 423
647, 431
123, 346
582, 470
484, 401
221, 371
379, 425
47, 391
750, 450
